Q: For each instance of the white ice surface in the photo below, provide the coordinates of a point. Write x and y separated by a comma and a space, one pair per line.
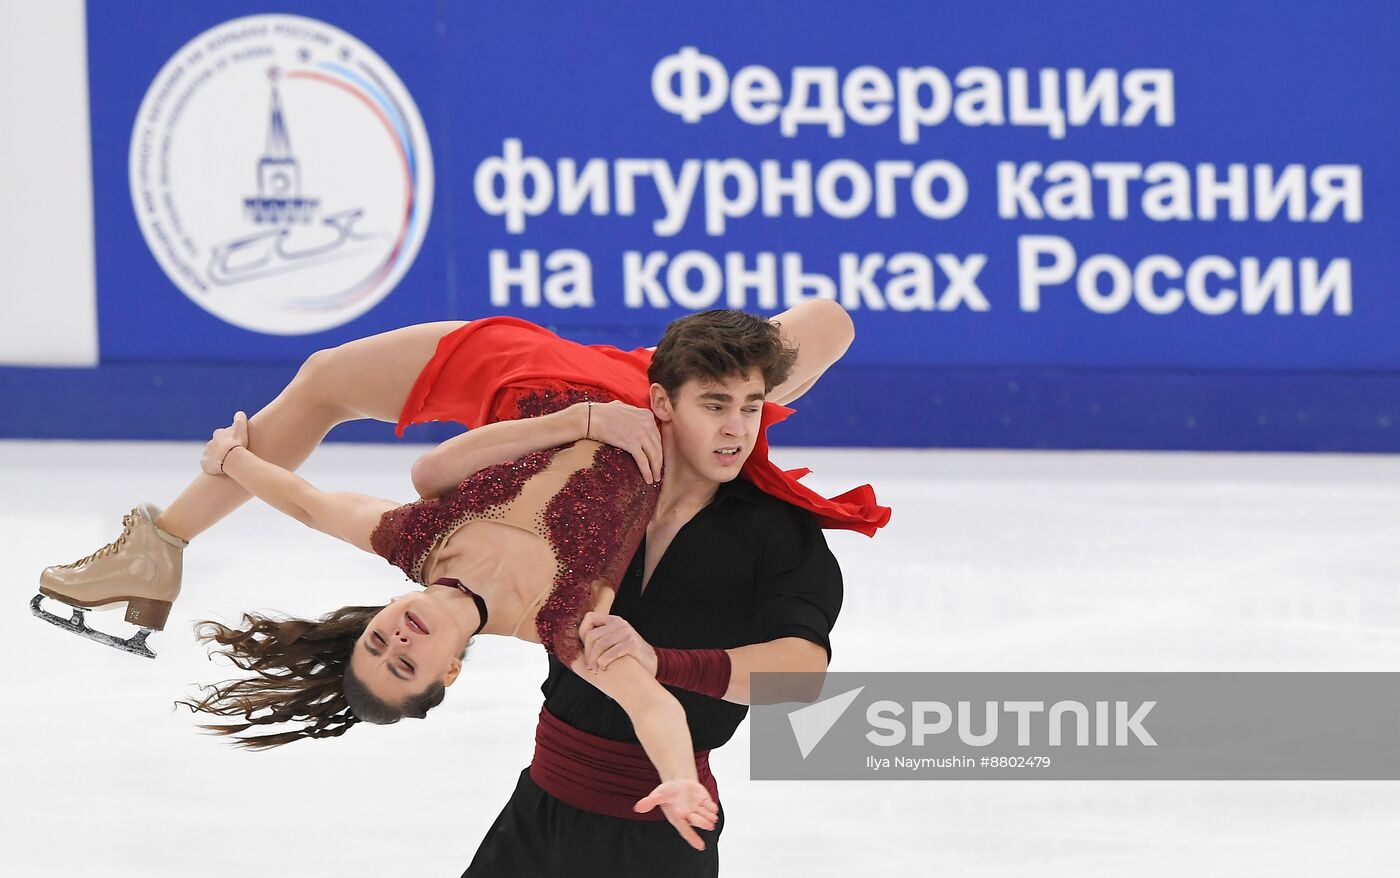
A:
994, 561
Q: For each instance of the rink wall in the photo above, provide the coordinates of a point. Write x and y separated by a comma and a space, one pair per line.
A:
1080, 225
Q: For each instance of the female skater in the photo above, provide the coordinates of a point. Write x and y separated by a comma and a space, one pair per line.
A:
542, 539
142, 569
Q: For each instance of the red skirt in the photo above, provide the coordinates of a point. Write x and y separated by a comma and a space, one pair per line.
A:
480, 372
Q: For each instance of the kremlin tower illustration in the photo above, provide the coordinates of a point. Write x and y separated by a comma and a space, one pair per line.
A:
279, 200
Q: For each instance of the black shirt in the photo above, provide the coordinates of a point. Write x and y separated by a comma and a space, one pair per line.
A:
747, 568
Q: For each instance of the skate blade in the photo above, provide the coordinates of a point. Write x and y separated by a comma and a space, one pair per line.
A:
136, 644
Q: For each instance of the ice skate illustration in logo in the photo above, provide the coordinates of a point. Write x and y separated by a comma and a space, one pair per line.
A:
281, 174
291, 241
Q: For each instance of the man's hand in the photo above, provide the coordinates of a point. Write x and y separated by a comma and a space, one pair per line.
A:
630, 428
685, 803
608, 638
224, 440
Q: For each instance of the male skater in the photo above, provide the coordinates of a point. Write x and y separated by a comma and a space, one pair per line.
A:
729, 581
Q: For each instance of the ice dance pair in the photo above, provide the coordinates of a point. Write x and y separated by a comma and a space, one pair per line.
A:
560, 477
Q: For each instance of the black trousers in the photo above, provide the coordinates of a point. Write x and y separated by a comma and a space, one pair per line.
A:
538, 835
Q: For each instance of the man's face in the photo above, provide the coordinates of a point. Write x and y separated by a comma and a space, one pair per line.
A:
714, 424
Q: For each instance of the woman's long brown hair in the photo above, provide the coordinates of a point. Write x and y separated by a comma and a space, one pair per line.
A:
301, 673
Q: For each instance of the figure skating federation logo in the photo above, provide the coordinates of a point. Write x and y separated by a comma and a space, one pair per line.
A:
281, 174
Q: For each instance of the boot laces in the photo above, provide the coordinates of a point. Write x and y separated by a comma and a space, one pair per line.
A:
128, 522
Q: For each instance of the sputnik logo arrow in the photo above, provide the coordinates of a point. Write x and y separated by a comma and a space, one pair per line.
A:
811, 723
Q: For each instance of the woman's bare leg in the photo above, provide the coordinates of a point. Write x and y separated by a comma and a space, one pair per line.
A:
821, 330
365, 378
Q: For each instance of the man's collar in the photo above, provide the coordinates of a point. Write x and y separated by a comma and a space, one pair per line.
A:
737, 488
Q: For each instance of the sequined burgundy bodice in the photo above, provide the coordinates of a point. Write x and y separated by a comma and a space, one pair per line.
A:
587, 501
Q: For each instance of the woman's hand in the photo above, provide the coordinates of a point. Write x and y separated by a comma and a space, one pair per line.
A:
686, 804
608, 638
627, 427
224, 440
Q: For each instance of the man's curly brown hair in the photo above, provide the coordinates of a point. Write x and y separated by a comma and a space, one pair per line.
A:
720, 344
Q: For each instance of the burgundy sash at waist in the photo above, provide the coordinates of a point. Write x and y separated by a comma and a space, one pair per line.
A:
600, 775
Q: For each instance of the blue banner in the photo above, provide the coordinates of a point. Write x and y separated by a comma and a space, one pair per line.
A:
1083, 185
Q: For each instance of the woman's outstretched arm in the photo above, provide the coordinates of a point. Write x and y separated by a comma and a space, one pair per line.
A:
345, 516
659, 721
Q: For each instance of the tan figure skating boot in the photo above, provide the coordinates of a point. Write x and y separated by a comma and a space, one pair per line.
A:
140, 569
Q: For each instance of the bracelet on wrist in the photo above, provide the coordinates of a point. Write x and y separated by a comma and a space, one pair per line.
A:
226, 454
